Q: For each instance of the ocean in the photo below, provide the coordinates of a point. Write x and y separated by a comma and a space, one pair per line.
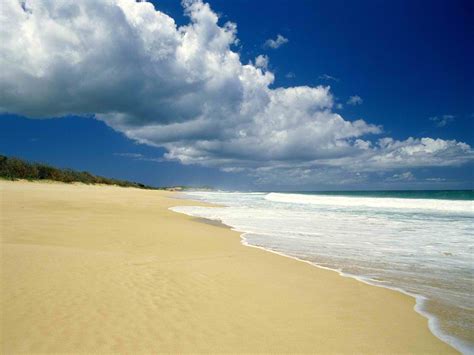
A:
416, 242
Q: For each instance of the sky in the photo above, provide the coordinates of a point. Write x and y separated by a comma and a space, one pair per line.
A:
249, 95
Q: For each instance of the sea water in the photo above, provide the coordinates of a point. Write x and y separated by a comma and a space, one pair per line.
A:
420, 243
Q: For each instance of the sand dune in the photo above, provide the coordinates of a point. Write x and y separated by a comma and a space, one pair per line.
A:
109, 269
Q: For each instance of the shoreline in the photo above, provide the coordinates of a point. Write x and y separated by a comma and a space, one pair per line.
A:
419, 299
114, 270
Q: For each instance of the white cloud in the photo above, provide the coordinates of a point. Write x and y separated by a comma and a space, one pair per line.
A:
290, 75
185, 89
388, 154
118, 58
421, 152
275, 43
406, 176
129, 155
262, 62
138, 156
437, 179
328, 77
355, 100
441, 121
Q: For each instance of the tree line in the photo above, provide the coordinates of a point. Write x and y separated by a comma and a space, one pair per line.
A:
14, 168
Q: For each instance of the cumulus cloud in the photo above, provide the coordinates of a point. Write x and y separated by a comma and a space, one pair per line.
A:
355, 100
388, 153
185, 89
275, 43
422, 152
441, 121
262, 62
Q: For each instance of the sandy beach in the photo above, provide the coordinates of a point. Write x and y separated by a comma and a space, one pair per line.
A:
110, 269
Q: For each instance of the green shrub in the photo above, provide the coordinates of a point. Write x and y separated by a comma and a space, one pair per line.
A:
13, 168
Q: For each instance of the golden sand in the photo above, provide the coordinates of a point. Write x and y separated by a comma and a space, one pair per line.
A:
109, 269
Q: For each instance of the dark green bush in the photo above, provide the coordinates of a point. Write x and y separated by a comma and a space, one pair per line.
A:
13, 168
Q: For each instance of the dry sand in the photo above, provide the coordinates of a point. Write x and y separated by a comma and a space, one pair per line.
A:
109, 269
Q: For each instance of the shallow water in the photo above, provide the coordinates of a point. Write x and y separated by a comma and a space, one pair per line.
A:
423, 246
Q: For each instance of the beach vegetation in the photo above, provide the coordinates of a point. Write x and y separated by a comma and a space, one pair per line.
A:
14, 169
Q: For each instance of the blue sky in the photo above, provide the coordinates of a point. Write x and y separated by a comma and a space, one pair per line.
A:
407, 65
